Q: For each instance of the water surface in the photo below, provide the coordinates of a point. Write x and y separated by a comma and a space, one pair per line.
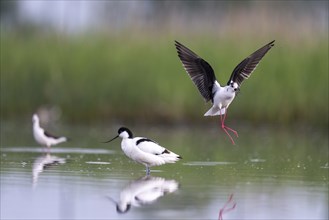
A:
271, 173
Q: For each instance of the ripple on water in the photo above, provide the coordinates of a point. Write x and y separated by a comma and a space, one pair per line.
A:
257, 160
98, 162
326, 166
57, 150
208, 163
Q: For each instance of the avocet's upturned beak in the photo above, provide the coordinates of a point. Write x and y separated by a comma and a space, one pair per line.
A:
111, 139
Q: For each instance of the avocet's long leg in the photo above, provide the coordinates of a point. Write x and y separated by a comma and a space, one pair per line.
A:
148, 171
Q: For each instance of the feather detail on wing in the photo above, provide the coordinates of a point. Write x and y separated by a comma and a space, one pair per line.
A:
151, 147
56, 139
200, 72
50, 135
244, 69
148, 146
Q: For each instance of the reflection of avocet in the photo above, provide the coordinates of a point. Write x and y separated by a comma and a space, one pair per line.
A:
144, 150
145, 190
42, 163
43, 137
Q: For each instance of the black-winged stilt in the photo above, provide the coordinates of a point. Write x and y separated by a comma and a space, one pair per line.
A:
43, 137
144, 150
204, 78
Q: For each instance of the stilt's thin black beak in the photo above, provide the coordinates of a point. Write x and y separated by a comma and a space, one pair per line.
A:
111, 139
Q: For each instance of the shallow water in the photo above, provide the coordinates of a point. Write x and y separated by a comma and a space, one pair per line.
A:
270, 174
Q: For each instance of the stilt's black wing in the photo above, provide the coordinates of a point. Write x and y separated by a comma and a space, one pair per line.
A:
199, 70
244, 69
50, 135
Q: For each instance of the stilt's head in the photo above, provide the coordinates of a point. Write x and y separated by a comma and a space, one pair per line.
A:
35, 119
235, 87
123, 133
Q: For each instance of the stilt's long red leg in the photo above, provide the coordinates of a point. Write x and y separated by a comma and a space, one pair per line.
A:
234, 131
224, 127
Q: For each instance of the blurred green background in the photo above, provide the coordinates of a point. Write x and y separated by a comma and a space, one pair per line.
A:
113, 61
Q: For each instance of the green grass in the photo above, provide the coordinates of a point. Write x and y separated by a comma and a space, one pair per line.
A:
97, 78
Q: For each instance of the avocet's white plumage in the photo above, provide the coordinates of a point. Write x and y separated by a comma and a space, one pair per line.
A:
145, 190
144, 150
43, 137
204, 78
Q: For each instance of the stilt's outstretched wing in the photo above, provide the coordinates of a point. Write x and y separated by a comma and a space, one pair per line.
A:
244, 69
198, 69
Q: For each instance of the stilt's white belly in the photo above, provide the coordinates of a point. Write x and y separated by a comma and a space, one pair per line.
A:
224, 98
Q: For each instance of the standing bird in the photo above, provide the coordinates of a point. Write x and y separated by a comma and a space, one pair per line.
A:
144, 150
204, 78
43, 137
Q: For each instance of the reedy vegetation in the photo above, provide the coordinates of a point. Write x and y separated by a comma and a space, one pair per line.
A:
97, 78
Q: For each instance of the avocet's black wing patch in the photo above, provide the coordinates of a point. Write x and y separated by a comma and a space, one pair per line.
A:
144, 140
198, 69
50, 135
166, 151
244, 69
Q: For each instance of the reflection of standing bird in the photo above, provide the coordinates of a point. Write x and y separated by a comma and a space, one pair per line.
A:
145, 190
43, 137
42, 163
144, 150
204, 78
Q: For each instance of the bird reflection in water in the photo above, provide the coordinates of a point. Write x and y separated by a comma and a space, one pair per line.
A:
228, 206
145, 190
43, 162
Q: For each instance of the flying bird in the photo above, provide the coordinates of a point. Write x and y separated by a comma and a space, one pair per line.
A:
144, 150
203, 76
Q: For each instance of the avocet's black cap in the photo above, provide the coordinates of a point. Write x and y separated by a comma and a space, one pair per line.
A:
124, 129
121, 130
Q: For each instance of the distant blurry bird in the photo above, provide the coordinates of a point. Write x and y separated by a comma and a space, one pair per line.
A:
145, 190
204, 78
144, 150
43, 137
